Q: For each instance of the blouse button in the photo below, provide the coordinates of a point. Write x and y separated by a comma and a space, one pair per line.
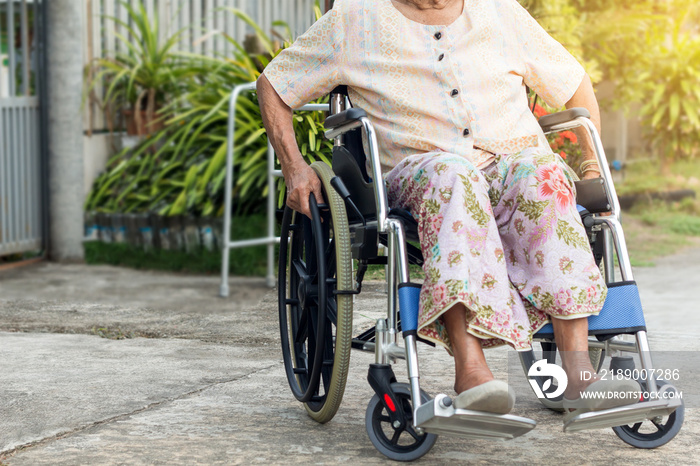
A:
442, 55
465, 132
438, 35
454, 93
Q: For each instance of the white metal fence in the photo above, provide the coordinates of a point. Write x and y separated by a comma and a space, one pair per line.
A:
20, 134
197, 18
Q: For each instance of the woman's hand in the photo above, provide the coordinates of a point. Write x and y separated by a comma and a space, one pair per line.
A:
301, 181
590, 169
300, 178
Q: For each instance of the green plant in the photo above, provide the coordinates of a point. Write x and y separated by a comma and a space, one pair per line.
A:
206, 125
145, 75
249, 261
672, 108
181, 169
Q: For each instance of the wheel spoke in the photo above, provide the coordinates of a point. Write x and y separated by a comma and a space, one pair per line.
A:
299, 267
309, 249
397, 435
311, 342
332, 312
412, 431
635, 428
302, 332
659, 427
330, 257
327, 370
384, 419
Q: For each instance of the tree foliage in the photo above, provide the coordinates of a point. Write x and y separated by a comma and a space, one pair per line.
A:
650, 51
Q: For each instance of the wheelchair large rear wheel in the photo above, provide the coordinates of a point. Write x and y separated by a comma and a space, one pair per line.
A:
315, 308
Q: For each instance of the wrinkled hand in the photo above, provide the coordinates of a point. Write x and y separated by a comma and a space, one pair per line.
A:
301, 181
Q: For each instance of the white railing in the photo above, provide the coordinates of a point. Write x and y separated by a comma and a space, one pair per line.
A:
198, 17
272, 174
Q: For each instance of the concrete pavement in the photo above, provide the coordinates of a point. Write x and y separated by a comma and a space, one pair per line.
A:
199, 380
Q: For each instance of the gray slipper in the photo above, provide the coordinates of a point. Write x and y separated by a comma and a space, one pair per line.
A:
492, 397
604, 394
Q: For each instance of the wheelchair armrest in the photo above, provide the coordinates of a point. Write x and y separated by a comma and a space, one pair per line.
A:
548, 121
344, 117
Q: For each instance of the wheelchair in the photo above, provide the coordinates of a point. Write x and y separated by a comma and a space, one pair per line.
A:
322, 264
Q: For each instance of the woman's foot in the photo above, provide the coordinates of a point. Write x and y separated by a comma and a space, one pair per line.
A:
470, 377
571, 337
604, 394
579, 372
474, 381
494, 397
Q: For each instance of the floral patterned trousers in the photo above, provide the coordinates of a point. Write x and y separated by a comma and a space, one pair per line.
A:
506, 241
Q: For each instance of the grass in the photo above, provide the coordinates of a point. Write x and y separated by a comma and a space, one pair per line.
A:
644, 176
250, 261
654, 229
377, 272
658, 229
22, 256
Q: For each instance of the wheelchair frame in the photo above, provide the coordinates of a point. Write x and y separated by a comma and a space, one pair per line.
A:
437, 415
386, 347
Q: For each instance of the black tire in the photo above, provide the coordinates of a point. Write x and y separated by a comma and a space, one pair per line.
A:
405, 443
315, 321
653, 433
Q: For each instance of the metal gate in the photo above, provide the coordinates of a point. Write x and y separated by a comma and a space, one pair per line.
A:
21, 167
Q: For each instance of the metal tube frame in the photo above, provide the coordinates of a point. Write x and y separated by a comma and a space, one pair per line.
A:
270, 240
370, 146
398, 256
386, 347
614, 239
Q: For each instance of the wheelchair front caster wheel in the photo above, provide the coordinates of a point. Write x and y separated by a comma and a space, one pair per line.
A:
402, 443
656, 432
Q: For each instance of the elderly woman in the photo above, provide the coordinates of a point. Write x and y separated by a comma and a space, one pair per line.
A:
443, 82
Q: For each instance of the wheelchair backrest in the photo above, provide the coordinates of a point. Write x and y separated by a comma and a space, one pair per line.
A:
350, 164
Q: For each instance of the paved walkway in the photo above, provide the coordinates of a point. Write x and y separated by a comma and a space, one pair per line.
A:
200, 378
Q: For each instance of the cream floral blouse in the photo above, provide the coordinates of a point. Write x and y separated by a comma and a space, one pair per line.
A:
458, 88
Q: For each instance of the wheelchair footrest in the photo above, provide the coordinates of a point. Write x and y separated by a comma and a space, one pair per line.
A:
623, 415
437, 417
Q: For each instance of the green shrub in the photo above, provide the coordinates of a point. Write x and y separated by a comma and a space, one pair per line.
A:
181, 169
251, 261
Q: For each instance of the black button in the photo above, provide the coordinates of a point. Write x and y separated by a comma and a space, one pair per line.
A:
465, 132
454, 93
438, 35
442, 55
